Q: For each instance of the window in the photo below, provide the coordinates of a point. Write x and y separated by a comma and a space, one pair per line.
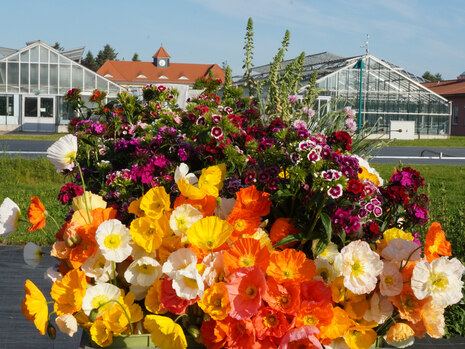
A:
455, 115
6, 105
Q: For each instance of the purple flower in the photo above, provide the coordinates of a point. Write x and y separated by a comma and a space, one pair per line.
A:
250, 177
263, 176
295, 158
216, 118
273, 183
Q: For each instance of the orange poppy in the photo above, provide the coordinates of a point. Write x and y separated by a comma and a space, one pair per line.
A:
87, 245
290, 266
281, 228
214, 333
206, 205
36, 214
243, 222
340, 323
69, 292
436, 244
255, 201
241, 333
270, 323
284, 298
410, 307
246, 252
318, 314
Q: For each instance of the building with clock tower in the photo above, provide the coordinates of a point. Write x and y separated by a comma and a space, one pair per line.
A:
161, 71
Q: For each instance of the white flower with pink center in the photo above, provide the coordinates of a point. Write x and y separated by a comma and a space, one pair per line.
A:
335, 192
217, 132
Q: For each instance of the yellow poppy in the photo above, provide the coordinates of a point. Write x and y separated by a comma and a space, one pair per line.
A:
148, 233
209, 233
165, 333
360, 337
101, 333
134, 208
190, 191
153, 298
215, 301
396, 233
155, 202
211, 179
35, 307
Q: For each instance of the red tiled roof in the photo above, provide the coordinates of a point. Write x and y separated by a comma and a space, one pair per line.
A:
161, 53
140, 73
447, 88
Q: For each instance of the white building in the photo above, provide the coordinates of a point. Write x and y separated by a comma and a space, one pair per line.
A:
33, 81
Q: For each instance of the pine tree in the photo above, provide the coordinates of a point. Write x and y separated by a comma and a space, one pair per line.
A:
58, 47
135, 58
89, 62
107, 54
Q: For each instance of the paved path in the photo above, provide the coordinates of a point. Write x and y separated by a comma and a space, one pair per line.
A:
16, 332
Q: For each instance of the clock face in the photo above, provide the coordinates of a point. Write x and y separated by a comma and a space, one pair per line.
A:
161, 62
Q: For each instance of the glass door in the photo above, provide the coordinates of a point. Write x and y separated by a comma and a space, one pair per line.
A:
38, 114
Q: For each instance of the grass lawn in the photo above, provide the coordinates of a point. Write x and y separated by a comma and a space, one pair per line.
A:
30, 137
20, 179
452, 142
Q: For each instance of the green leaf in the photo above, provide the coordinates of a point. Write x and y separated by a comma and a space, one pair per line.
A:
326, 220
320, 247
288, 239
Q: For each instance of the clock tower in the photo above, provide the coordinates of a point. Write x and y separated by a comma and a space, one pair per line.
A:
161, 59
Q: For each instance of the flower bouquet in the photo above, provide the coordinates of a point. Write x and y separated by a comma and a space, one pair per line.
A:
218, 227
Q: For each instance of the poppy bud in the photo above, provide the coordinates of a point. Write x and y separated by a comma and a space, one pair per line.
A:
51, 331
93, 315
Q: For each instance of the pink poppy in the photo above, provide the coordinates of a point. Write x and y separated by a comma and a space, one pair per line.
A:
246, 289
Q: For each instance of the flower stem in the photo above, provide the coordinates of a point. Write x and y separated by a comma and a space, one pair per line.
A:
85, 196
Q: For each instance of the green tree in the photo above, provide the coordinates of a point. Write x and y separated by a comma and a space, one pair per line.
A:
58, 47
135, 58
433, 78
89, 62
107, 54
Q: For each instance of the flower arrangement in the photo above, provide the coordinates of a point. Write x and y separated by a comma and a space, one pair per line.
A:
219, 227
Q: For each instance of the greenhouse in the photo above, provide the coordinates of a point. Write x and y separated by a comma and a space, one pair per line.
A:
392, 99
33, 81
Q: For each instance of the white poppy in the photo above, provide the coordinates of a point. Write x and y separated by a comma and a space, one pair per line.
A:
97, 267
113, 239
143, 272
179, 260
139, 291
93, 201
441, 279
183, 217
360, 267
101, 297
399, 250
391, 282
324, 271
52, 275
67, 323
214, 268
188, 283
63, 152
379, 310
9, 215
182, 172
32, 254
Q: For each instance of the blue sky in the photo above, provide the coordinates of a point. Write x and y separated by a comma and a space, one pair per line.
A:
417, 35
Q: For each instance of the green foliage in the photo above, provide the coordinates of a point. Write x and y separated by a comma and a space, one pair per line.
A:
135, 58
107, 54
248, 56
89, 62
273, 101
433, 78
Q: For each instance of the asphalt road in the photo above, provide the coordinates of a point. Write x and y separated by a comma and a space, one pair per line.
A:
388, 155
